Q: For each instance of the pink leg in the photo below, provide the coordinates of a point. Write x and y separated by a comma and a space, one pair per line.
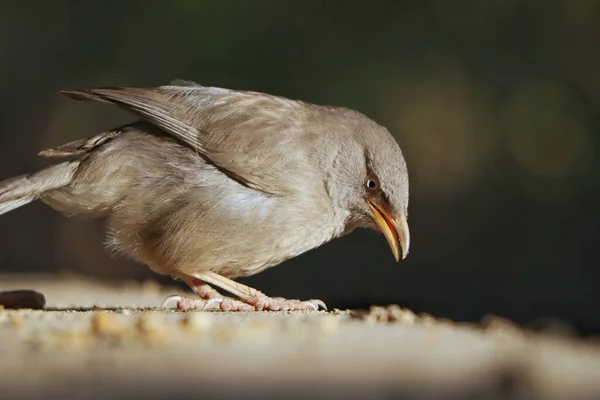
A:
209, 297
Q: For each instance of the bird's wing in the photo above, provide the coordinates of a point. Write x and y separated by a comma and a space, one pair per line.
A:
252, 137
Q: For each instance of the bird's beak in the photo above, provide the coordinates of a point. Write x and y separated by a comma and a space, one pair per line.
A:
394, 229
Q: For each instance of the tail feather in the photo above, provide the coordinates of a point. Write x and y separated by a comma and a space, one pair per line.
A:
21, 190
12, 204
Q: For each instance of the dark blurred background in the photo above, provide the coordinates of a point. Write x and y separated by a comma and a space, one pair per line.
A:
495, 104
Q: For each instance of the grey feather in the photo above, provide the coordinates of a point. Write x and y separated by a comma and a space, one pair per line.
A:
33, 185
21, 190
10, 205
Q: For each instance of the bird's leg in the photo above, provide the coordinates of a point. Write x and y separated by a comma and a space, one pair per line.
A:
209, 297
257, 300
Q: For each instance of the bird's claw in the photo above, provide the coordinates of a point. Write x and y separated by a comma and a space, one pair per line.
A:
210, 302
185, 303
316, 303
172, 300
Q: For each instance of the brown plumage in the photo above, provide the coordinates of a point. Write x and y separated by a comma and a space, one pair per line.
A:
214, 184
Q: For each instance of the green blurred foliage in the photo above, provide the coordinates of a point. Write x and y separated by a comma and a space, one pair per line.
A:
494, 103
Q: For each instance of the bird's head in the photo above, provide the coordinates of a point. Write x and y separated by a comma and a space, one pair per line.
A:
370, 177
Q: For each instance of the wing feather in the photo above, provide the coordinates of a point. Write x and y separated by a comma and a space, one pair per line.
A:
252, 136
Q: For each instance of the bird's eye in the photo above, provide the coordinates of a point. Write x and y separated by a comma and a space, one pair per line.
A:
372, 184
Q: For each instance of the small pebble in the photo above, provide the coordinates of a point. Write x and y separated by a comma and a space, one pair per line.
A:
391, 314
18, 299
496, 323
400, 315
337, 311
427, 319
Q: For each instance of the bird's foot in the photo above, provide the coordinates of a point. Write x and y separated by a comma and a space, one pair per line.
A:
262, 302
255, 303
209, 299
249, 299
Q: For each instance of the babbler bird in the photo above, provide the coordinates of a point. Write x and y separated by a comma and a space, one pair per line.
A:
213, 184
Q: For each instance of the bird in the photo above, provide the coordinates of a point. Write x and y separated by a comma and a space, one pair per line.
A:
209, 184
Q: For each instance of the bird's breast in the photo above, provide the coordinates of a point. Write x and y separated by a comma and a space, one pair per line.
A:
267, 230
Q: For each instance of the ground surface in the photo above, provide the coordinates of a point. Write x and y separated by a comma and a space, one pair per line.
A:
78, 349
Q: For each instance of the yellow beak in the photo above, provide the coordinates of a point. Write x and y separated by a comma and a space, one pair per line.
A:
392, 228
